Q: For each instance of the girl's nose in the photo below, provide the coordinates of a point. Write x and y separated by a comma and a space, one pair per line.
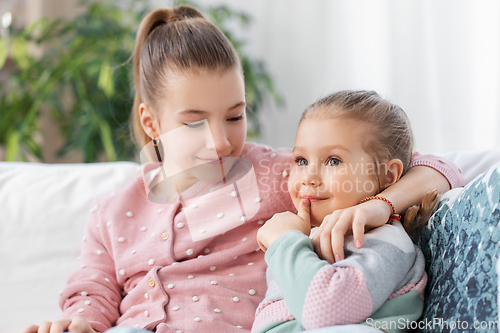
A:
218, 141
311, 177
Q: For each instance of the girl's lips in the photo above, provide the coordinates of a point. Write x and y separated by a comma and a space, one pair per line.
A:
313, 199
213, 161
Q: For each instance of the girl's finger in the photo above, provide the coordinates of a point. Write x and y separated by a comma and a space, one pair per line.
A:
358, 231
304, 210
44, 327
31, 329
60, 326
338, 235
80, 325
325, 245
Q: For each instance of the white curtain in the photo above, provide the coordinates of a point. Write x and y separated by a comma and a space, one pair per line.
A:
438, 59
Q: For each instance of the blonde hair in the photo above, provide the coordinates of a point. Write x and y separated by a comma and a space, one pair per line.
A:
388, 125
173, 41
390, 137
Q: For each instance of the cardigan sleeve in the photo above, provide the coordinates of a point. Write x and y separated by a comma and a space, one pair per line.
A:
318, 294
92, 292
447, 168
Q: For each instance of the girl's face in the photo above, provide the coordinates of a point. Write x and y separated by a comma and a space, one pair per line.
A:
331, 168
203, 123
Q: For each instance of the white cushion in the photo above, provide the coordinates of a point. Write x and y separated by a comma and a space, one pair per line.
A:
473, 163
43, 210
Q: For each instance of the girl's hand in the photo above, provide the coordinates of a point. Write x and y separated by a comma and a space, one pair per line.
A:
328, 241
76, 325
283, 222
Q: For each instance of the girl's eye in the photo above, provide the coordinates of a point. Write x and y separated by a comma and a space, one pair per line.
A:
236, 118
332, 161
300, 161
195, 124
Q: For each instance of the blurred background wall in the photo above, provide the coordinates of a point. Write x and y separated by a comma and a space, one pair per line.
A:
439, 60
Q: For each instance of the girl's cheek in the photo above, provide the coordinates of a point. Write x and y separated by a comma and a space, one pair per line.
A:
293, 189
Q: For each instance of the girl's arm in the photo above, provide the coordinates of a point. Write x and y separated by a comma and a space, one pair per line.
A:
317, 294
426, 173
92, 292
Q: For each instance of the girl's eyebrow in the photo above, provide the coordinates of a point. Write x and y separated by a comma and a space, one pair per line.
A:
192, 111
325, 147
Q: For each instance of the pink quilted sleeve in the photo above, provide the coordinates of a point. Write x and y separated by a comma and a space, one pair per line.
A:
447, 168
270, 311
419, 286
336, 296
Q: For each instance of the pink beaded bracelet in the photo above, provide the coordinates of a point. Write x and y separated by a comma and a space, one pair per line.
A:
394, 216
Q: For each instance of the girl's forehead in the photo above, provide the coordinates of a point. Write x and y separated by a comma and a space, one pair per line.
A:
204, 91
315, 133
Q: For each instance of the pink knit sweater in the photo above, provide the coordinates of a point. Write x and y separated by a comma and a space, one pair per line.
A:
145, 264
140, 266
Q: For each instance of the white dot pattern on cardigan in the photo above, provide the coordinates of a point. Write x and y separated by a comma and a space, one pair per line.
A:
87, 302
140, 230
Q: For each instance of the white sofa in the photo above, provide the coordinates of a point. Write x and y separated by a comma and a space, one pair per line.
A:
43, 210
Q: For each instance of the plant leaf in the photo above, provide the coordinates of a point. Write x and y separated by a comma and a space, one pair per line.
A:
20, 52
12, 146
4, 51
107, 141
105, 81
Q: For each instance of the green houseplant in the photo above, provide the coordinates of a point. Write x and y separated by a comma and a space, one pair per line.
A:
84, 79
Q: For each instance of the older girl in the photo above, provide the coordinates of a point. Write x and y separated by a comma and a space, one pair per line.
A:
189, 261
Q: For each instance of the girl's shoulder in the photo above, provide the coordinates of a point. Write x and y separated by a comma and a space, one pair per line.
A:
272, 168
129, 198
263, 155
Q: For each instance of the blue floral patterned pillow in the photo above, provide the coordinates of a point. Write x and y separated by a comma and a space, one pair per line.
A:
461, 245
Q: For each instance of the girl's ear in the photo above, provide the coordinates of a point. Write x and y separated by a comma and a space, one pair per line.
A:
393, 171
148, 121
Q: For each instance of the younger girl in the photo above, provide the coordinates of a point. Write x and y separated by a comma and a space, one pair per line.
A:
189, 261
349, 146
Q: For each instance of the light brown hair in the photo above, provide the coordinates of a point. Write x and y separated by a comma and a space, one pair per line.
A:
389, 137
171, 42
389, 130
